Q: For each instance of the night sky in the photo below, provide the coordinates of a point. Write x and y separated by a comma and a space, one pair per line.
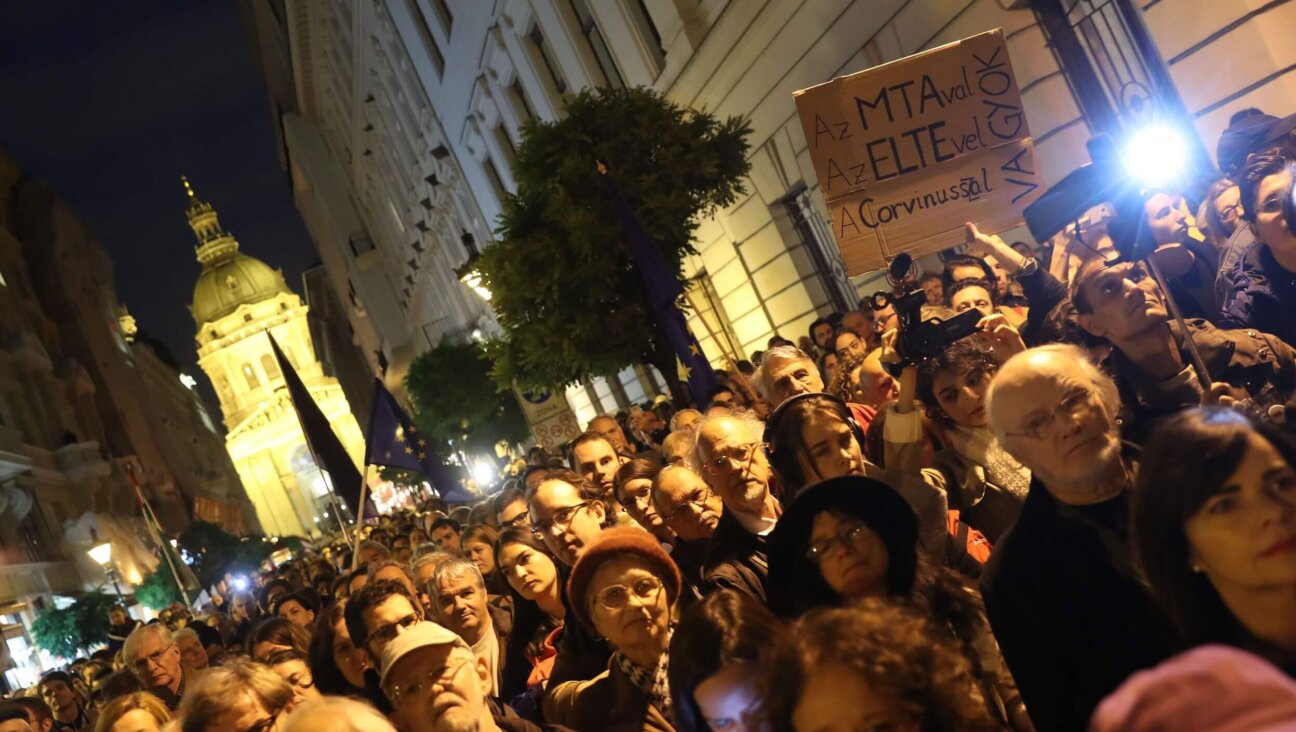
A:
111, 103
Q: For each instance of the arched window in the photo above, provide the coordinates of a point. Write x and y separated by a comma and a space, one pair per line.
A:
270, 367
251, 376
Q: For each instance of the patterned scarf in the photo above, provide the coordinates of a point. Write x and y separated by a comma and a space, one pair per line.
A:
653, 682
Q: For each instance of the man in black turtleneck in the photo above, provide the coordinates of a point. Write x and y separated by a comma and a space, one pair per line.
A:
1065, 601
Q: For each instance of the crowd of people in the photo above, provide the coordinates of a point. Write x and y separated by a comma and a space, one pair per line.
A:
1054, 523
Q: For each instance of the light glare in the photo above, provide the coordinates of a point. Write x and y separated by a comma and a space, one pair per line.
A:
1156, 155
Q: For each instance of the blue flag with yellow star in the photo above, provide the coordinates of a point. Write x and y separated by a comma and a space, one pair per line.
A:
394, 442
664, 292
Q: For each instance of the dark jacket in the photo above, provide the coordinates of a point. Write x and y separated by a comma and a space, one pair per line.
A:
1263, 296
1230, 259
609, 703
1070, 612
582, 654
736, 559
1261, 364
509, 721
1043, 292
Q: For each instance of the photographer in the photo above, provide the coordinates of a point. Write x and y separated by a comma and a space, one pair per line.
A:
984, 484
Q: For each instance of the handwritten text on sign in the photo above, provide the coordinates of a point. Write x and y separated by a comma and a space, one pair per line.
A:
906, 121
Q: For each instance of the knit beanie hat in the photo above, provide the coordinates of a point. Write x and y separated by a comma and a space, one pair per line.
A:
611, 543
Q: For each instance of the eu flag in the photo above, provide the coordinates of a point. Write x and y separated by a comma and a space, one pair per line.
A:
324, 444
394, 442
665, 290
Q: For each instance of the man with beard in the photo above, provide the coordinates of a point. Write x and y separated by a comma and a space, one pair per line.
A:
436, 684
734, 466
461, 607
1061, 589
596, 459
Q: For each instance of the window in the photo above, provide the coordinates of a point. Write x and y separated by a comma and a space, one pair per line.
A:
442, 10
644, 24
518, 98
536, 36
250, 376
505, 142
270, 367
601, 53
425, 34
496, 182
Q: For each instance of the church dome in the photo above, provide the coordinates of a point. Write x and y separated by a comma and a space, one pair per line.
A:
229, 278
226, 284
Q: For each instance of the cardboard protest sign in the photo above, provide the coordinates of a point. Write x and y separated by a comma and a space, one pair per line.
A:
906, 152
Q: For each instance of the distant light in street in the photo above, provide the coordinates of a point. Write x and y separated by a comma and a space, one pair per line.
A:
1156, 155
189, 381
239, 583
483, 472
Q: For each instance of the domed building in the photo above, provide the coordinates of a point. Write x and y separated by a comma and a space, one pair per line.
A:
237, 301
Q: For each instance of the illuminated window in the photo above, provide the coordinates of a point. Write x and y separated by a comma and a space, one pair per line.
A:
251, 377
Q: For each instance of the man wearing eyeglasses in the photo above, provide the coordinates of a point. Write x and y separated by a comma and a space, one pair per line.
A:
568, 515
379, 613
152, 655
690, 509
734, 466
1061, 590
437, 684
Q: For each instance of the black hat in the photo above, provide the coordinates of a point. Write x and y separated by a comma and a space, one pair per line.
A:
794, 581
1248, 135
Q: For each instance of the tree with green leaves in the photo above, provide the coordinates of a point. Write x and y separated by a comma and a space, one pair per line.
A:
456, 401
159, 589
564, 284
67, 632
216, 551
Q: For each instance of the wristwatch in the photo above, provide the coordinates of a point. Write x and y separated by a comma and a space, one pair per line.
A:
1028, 268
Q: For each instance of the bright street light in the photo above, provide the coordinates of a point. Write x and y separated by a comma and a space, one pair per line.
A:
1156, 155
101, 553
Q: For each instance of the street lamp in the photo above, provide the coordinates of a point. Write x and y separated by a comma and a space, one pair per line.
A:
102, 554
468, 272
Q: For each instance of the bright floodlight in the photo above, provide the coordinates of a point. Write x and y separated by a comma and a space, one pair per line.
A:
1156, 155
483, 472
101, 553
240, 583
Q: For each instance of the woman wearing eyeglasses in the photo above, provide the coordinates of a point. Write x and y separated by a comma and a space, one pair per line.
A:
625, 587
535, 582
851, 538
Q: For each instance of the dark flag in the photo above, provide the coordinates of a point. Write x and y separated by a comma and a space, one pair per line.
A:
661, 280
394, 442
324, 444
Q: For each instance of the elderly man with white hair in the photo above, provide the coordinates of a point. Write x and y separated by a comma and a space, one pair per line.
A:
786, 371
1061, 590
732, 461
151, 653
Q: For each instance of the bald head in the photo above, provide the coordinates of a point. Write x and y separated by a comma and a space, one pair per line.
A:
1054, 411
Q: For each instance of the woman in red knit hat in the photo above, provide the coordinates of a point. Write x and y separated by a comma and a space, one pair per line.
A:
625, 587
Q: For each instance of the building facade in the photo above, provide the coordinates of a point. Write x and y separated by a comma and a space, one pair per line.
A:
239, 301
401, 89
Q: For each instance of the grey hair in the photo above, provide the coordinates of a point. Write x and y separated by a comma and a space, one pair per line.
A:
774, 357
422, 560
456, 568
748, 419
136, 637
1100, 383
222, 687
675, 418
185, 632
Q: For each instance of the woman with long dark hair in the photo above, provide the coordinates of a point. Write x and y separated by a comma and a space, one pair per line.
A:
1214, 528
536, 581
335, 662
276, 634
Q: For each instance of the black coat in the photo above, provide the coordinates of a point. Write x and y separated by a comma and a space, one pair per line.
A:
736, 559
1071, 614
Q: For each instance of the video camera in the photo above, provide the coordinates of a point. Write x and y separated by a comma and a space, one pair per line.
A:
918, 339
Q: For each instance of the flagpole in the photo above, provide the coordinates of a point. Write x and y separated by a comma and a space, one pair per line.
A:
364, 493
337, 510
155, 529
738, 374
